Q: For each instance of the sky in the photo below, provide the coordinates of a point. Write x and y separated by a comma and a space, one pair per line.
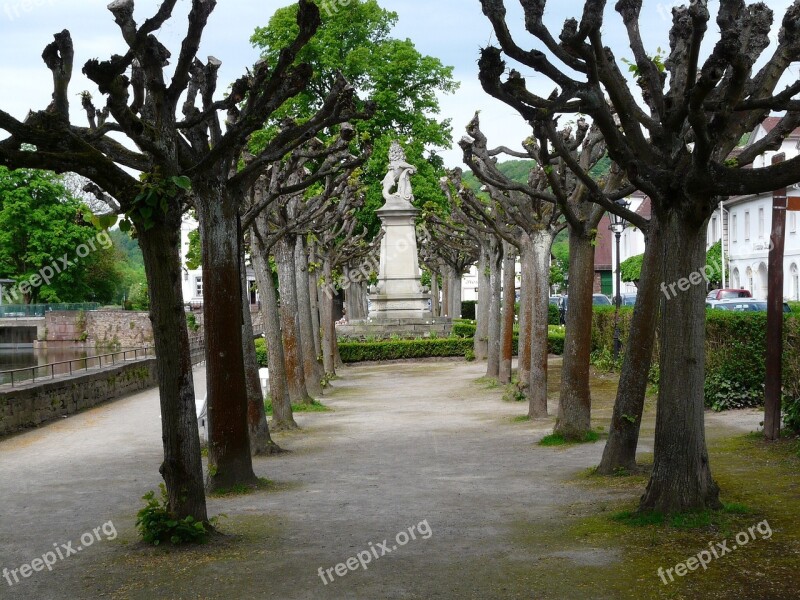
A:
452, 30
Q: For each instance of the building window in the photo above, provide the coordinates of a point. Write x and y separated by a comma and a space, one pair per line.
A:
714, 232
792, 221
198, 287
734, 232
735, 281
795, 282
749, 275
760, 223
746, 225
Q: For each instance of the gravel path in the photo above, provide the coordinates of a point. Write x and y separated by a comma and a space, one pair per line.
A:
414, 444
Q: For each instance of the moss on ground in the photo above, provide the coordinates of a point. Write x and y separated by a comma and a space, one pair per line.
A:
604, 550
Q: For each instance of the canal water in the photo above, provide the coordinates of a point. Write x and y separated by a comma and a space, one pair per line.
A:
25, 358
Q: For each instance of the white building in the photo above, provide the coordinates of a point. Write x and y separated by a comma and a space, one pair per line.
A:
747, 225
744, 223
631, 242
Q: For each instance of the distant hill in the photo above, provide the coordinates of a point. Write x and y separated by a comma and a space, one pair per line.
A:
516, 170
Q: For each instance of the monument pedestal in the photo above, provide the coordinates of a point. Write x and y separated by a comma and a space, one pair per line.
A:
398, 293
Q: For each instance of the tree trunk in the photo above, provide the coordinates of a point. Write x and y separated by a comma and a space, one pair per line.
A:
311, 367
182, 468
292, 348
282, 418
681, 478
623, 437
481, 342
542, 242
509, 299
455, 293
494, 324
260, 440
435, 311
575, 402
327, 324
445, 308
229, 457
525, 316
313, 294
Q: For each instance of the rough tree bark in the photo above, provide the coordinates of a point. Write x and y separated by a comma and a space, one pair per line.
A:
480, 344
292, 348
623, 438
509, 301
681, 478
575, 404
541, 243
182, 468
494, 317
229, 455
312, 368
282, 417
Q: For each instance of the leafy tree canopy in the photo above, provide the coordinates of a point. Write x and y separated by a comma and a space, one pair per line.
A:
403, 83
41, 224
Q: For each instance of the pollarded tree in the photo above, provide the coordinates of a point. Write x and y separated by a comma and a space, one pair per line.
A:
676, 147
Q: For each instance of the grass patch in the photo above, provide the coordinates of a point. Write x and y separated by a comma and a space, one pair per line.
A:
241, 489
489, 383
314, 406
521, 419
705, 519
558, 439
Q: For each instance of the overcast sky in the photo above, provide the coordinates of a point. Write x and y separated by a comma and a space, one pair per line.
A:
451, 30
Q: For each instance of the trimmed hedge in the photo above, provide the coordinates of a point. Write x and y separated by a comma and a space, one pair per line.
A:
735, 354
468, 309
353, 352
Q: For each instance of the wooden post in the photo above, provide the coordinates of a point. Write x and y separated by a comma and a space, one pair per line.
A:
774, 367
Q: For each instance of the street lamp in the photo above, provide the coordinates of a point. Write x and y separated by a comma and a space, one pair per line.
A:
618, 226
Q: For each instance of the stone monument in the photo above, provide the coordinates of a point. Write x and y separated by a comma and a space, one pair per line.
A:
398, 293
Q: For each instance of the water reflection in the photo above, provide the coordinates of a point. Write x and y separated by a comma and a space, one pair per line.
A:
23, 358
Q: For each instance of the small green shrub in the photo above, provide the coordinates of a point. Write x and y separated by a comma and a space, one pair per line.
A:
469, 355
191, 322
314, 406
553, 315
156, 524
468, 309
261, 352
791, 414
725, 394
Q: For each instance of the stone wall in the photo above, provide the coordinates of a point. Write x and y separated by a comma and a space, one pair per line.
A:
32, 404
106, 329
403, 328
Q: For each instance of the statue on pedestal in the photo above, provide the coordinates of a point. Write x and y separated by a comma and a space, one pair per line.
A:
398, 177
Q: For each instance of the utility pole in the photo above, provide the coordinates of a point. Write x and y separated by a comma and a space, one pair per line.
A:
774, 367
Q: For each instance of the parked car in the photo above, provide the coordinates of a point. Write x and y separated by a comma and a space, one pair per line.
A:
727, 293
628, 299
597, 300
743, 304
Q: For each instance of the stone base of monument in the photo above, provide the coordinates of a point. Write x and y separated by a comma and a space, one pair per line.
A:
400, 305
439, 327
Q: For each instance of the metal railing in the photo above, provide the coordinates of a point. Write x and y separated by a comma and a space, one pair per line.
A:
16, 311
18, 379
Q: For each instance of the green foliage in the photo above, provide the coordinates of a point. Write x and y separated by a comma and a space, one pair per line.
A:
194, 256
156, 524
735, 354
553, 315
191, 322
658, 61
156, 193
557, 276
630, 269
468, 309
469, 355
138, 297
516, 170
40, 222
314, 406
558, 439
404, 84
791, 414
262, 357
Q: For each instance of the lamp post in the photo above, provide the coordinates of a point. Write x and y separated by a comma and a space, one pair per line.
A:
617, 226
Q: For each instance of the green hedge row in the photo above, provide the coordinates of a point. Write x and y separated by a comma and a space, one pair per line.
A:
735, 354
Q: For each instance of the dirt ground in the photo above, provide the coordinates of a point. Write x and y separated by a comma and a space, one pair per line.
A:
422, 444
